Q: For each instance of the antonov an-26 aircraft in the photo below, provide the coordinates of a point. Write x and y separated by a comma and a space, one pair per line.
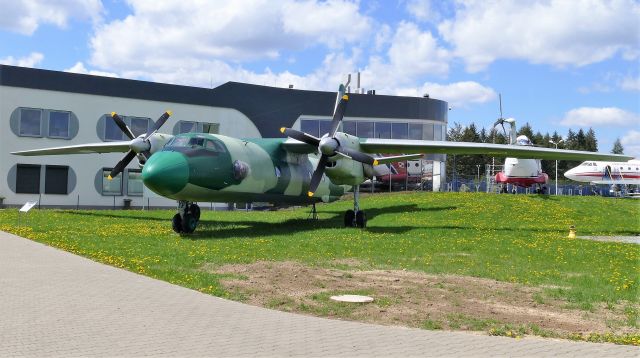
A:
301, 169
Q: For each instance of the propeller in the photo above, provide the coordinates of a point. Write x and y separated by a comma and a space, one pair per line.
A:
329, 145
138, 145
500, 120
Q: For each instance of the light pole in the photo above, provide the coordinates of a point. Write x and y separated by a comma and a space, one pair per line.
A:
556, 144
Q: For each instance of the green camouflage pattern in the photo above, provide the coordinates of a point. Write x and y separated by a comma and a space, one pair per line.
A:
216, 168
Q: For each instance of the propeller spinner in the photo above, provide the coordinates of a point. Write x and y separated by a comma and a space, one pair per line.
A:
329, 145
138, 145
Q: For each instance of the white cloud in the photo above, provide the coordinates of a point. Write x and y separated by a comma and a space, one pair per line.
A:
458, 94
423, 10
32, 60
26, 16
556, 32
80, 68
630, 83
178, 31
593, 117
631, 143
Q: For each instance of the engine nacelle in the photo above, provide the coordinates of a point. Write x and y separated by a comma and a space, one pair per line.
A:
345, 171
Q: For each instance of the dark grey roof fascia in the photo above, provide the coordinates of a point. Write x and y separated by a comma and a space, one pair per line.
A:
268, 107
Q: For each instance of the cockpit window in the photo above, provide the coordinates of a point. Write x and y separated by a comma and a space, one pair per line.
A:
196, 142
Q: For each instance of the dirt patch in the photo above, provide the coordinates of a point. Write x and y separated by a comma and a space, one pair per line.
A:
413, 299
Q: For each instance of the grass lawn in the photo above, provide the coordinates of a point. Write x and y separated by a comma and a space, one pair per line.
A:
510, 238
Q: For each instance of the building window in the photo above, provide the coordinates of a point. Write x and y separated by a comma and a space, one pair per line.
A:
437, 131
111, 130
28, 179
383, 130
365, 129
134, 182
415, 131
428, 131
113, 186
310, 127
139, 125
399, 130
30, 122
188, 127
211, 128
325, 127
349, 127
58, 124
56, 179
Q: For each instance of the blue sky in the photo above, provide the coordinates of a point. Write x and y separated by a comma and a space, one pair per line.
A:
558, 64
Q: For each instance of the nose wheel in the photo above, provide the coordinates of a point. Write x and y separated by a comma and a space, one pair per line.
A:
187, 218
355, 217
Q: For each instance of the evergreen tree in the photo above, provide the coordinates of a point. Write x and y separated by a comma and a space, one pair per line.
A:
526, 130
591, 143
581, 140
617, 147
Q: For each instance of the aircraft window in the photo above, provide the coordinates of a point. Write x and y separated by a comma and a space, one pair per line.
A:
179, 142
214, 146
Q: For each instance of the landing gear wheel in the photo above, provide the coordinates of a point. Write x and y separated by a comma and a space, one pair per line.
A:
189, 224
194, 209
349, 217
361, 219
176, 223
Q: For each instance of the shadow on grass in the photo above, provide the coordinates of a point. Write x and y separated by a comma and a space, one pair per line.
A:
125, 215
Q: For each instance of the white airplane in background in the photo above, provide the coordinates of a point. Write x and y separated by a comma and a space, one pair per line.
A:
607, 172
517, 171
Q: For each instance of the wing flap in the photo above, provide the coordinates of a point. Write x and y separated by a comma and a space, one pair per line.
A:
397, 158
407, 146
106, 147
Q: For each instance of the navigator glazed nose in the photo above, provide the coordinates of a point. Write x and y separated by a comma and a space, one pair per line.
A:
166, 173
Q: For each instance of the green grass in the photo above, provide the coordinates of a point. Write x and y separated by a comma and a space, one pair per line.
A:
513, 238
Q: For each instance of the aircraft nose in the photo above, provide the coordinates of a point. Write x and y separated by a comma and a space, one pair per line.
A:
166, 173
570, 174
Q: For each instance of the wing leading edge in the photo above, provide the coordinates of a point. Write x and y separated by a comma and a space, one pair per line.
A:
496, 150
106, 147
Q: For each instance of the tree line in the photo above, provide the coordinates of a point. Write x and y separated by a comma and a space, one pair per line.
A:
474, 165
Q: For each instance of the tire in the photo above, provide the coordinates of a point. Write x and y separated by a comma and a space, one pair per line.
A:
189, 224
176, 223
349, 216
361, 219
194, 209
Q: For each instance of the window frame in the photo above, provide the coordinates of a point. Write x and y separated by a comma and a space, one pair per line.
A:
49, 135
194, 127
139, 172
39, 167
132, 118
108, 118
104, 177
66, 188
39, 135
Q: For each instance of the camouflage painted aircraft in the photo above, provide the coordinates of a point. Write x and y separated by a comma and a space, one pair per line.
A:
302, 169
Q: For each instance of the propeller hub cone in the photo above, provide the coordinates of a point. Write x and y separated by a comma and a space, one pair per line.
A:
139, 145
328, 146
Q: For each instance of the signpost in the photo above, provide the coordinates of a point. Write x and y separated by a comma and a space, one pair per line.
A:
25, 208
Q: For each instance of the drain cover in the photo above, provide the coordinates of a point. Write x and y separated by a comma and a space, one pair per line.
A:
352, 298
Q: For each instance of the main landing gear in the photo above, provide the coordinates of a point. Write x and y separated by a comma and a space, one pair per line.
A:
187, 218
355, 217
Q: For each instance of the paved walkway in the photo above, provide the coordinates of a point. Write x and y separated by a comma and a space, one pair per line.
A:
53, 303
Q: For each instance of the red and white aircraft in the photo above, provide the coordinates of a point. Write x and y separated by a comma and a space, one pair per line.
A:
606, 172
520, 172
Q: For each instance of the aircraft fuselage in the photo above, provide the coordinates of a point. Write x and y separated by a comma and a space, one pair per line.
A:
207, 167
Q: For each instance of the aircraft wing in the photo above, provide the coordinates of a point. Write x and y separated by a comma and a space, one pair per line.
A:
407, 146
102, 147
397, 158
294, 146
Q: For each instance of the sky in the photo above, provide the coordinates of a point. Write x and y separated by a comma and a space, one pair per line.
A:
558, 64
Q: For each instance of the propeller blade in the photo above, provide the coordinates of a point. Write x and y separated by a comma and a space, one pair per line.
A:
339, 113
159, 123
317, 175
122, 164
358, 156
301, 136
123, 126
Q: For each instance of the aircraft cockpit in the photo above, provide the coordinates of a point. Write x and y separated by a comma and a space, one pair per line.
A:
195, 143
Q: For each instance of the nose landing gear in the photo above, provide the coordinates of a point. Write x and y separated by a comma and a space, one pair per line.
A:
355, 217
187, 218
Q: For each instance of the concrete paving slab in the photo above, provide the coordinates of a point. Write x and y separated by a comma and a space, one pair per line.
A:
53, 303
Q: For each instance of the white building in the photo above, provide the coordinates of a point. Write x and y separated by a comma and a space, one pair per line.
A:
40, 108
